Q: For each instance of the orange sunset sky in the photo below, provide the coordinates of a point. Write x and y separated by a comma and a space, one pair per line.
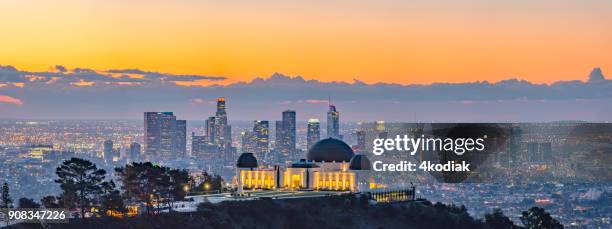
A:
373, 41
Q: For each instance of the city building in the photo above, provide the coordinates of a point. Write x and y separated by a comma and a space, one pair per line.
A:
313, 134
329, 165
165, 137
249, 141
109, 152
217, 140
261, 131
202, 149
181, 138
135, 152
211, 129
333, 123
285, 136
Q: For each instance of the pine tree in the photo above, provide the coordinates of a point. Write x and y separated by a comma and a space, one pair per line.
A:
83, 179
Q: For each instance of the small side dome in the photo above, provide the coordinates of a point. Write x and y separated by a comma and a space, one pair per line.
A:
247, 160
360, 162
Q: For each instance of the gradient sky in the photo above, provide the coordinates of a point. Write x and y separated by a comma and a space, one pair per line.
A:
374, 41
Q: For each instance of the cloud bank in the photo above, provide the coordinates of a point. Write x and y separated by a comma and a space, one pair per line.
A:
126, 93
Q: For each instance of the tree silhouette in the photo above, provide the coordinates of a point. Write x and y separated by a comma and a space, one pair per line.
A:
497, 220
538, 218
177, 185
152, 184
210, 182
138, 182
113, 201
50, 202
81, 179
28, 203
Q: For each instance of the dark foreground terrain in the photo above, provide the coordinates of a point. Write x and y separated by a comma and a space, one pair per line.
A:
327, 212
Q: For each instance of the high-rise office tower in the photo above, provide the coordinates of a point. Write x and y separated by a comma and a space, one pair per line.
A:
221, 136
134, 154
211, 129
108, 151
223, 132
152, 123
333, 123
279, 140
286, 139
313, 135
249, 142
162, 136
168, 146
202, 150
181, 138
261, 131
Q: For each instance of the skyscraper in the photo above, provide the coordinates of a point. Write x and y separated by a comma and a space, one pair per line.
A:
261, 131
181, 138
211, 129
285, 135
202, 150
313, 135
223, 134
108, 151
164, 136
168, 146
249, 141
333, 123
279, 141
152, 123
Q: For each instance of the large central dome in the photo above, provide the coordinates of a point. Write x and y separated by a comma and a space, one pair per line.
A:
330, 150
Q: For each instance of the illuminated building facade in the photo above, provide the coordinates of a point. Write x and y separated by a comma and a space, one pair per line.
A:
329, 165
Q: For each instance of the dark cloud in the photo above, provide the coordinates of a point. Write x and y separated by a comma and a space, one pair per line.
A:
508, 100
60, 68
61, 75
165, 76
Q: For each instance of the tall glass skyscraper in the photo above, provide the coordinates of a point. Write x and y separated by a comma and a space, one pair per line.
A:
314, 132
181, 138
135, 152
333, 123
285, 135
108, 151
164, 136
261, 130
223, 134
